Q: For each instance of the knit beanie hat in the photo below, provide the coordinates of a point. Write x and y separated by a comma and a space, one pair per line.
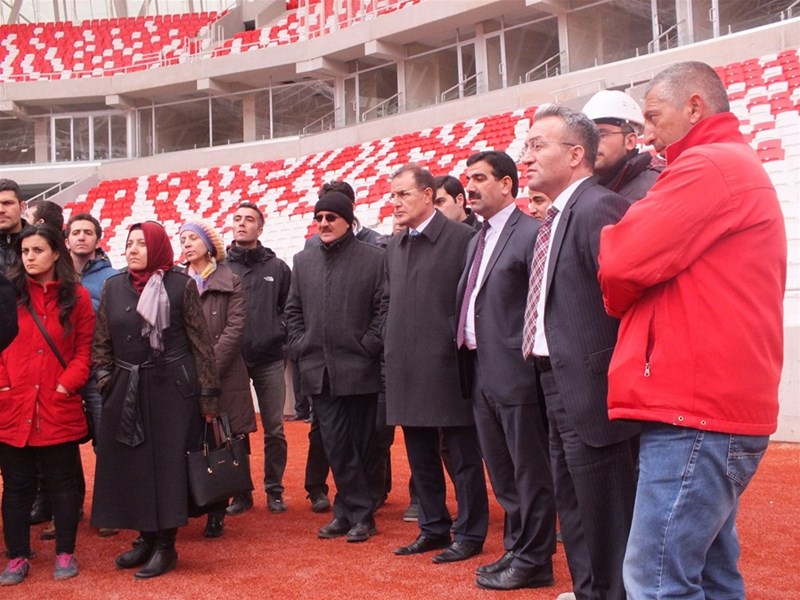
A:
338, 203
208, 234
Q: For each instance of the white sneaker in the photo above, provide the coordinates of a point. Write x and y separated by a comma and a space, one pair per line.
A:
566, 596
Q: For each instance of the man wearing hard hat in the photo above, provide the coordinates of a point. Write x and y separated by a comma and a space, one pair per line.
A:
619, 165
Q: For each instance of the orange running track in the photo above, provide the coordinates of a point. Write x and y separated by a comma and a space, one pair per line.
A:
277, 556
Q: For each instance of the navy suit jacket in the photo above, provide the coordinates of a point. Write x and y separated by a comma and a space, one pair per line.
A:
580, 335
500, 314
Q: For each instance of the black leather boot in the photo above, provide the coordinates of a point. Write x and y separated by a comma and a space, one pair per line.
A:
141, 551
214, 525
164, 557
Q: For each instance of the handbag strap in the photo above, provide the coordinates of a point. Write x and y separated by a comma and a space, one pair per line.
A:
47, 337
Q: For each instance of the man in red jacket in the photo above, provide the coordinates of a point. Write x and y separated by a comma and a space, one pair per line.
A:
696, 270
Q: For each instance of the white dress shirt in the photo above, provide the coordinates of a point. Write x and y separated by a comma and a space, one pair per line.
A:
496, 223
540, 341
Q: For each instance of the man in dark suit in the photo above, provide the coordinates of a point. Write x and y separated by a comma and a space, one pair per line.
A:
423, 265
491, 300
569, 339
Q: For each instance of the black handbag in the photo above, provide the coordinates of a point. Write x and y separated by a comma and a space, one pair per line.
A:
89, 420
219, 474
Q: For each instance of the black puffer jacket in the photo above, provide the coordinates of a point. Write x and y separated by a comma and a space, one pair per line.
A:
266, 281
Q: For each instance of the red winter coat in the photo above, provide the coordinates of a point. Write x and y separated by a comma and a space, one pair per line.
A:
32, 412
697, 272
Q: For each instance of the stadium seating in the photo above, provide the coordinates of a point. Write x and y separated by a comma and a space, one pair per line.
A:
97, 47
286, 189
310, 20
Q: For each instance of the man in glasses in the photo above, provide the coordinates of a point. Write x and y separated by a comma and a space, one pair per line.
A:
423, 266
266, 283
620, 166
569, 339
333, 316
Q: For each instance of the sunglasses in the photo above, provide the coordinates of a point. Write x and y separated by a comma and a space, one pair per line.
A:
329, 217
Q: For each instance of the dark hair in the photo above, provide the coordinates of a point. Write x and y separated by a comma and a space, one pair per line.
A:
84, 217
451, 185
251, 206
337, 185
49, 212
9, 185
678, 82
422, 177
580, 129
502, 166
64, 272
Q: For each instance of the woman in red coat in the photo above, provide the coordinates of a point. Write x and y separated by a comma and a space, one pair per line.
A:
41, 413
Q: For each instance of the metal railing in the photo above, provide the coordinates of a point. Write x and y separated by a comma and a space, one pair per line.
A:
465, 87
655, 44
318, 125
390, 106
545, 68
63, 185
787, 13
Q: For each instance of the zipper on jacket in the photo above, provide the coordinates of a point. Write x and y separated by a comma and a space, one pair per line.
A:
650, 343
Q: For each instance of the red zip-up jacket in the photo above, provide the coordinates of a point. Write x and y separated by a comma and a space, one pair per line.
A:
32, 412
696, 270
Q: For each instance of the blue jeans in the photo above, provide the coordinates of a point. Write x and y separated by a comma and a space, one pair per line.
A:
683, 541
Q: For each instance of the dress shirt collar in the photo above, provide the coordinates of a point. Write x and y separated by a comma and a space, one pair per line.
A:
424, 224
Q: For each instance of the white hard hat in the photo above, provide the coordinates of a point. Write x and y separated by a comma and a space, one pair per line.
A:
613, 106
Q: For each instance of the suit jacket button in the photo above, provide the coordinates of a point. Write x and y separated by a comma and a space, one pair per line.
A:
128, 338
127, 309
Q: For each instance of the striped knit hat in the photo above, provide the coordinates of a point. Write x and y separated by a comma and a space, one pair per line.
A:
209, 235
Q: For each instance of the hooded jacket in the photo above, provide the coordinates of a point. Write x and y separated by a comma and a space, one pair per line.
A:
697, 272
266, 281
32, 411
94, 275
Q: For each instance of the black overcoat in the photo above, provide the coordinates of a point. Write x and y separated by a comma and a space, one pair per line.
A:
333, 315
422, 273
145, 487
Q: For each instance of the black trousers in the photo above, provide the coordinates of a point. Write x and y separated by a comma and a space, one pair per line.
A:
515, 447
595, 489
58, 466
347, 425
424, 457
379, 463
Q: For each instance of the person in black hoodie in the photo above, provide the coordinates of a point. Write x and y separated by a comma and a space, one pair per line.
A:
266, 281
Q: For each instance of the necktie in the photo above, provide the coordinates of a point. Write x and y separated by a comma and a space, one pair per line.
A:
535, 283
472, 279
413, 233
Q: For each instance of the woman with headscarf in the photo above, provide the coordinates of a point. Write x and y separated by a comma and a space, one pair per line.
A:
41, 413
222, 295
155, 368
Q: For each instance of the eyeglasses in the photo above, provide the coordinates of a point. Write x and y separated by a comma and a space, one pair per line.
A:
329, 217
536, 145
605, 134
